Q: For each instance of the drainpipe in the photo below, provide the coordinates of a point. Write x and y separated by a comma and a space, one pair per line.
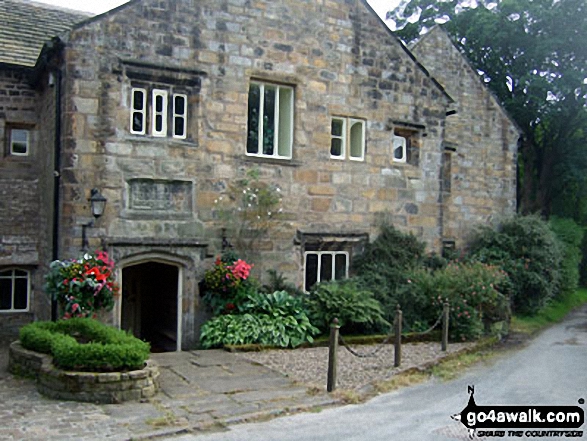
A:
56, 175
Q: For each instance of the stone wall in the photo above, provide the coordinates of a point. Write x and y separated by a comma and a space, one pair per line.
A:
340, 60
22, 242
92, 387
481, 141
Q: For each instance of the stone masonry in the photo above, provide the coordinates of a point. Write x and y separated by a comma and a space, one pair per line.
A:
480, 141
339, 59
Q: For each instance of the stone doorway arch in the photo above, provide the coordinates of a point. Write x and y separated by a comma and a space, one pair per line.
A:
150, 302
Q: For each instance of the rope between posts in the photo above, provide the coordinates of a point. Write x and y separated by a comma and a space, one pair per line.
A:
384, 342
368, 354
429, 330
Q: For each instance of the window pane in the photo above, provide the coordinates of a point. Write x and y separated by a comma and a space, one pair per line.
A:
138, 100
399, 148
137, 122
5, 294
340, 265
19, 273
179, 127
269, 120
311, 271
159, 123
253, 119
285, 121
326, 268
336, 147
336, 127
19, 141
5, 273
159, 103
357, 141
179, 105
20, 293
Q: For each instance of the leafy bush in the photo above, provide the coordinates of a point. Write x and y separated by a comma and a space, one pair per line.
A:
529, 252
392, 249
277, 282
85, 344
473, 291
276, 319
356, 309
570, 236
381, 269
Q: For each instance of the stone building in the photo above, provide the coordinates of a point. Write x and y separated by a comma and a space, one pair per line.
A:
163, 105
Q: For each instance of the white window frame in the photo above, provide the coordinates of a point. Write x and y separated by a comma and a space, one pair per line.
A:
400, 142
27, 141
352, 122
183, 115
13, 278
276, 119
347, 145
142, 112
342, 137
163, 113
319, 268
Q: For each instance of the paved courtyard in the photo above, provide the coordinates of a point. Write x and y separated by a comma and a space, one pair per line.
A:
200, 390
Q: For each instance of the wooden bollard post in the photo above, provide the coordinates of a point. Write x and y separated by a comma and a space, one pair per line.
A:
332, 356
445, 314
398, 337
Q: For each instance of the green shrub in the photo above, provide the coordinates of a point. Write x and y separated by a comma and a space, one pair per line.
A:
276, 319
472, 291
570, 236
392, 249
356, 309
277, 282
529, 252
381, 268
86, 345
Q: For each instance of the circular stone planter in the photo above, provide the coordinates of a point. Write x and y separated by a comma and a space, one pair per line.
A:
93, 387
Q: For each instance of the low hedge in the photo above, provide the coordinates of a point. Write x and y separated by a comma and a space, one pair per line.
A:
85, 345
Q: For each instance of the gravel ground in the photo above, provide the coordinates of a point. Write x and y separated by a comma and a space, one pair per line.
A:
309, 366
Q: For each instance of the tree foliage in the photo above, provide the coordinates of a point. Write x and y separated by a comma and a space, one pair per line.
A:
533, 56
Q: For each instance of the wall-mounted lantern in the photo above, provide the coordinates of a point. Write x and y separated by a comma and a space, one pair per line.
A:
97, 206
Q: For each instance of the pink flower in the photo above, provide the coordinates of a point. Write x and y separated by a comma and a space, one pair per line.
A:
74, 307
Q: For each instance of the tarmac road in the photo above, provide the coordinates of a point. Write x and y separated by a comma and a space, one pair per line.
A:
551, 370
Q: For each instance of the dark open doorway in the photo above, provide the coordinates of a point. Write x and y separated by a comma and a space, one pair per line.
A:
149, 304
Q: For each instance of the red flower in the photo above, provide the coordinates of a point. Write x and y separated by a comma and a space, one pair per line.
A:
95, 271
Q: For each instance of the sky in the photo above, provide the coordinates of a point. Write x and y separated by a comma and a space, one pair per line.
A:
100, 6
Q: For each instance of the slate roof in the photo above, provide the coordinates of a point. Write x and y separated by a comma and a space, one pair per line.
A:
26, 25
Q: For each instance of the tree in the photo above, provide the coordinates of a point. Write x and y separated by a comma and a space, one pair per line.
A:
532, 55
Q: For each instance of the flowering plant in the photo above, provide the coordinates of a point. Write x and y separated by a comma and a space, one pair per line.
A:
224, 282
83, 286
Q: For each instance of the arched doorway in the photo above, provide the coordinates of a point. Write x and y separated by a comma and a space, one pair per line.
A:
149, 307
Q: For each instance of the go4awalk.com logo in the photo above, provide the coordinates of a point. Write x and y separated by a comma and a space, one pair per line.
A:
521, 421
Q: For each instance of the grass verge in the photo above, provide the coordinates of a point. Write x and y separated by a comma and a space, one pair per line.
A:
553, 313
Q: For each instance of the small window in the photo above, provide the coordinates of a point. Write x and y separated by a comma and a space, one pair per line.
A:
270, 121
19, 142
159, 120
138, 114
156, 114
180, 105
338, 138
322, 266
14, 290
446, 171
347, 132
405, 146
400, 149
